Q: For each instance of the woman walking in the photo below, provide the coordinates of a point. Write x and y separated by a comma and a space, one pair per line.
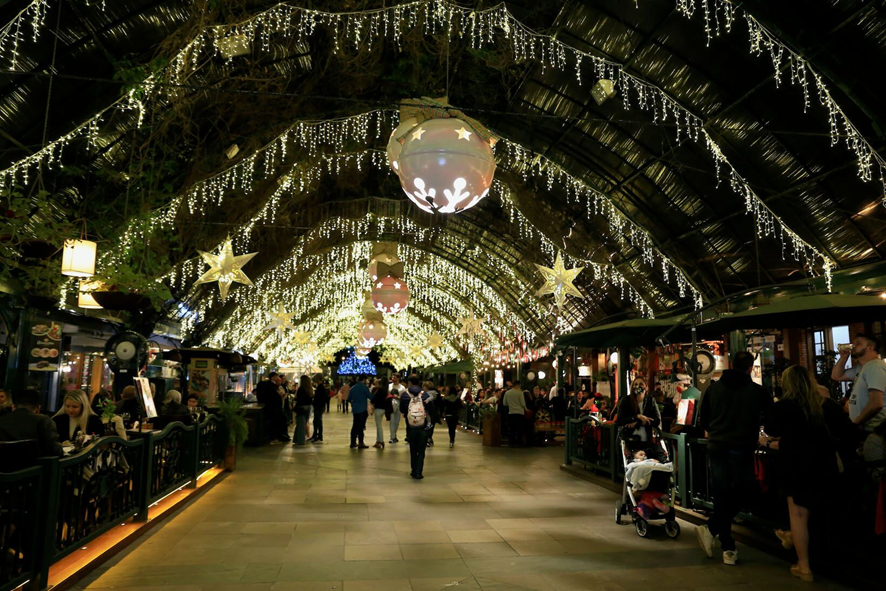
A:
797, 428
451, 408
379, 402
320, 402
304, 397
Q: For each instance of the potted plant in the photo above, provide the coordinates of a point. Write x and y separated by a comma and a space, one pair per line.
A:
235, 423
109, 411
491, 421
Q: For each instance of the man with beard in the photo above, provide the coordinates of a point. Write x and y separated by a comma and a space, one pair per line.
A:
869, 372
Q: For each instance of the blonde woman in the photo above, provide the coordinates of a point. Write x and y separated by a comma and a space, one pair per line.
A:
75, 417
797, 428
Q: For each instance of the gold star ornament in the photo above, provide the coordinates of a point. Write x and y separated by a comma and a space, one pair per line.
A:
470, 326
302, 338
279, 320
558, 281
225, 267
434, 341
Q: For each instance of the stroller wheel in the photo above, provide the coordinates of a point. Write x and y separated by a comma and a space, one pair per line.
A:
618, 512
642, 527
672, 528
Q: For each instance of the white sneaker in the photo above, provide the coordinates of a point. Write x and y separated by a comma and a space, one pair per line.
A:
705, 540
730, 557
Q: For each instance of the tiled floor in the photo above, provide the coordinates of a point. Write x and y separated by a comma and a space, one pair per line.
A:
326, 518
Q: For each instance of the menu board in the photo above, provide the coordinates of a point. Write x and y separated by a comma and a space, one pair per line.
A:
45, 346
144, 391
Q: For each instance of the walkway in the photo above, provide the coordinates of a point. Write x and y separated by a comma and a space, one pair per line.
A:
328, 518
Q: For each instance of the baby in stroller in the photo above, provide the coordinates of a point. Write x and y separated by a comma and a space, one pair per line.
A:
651, 499
649, 486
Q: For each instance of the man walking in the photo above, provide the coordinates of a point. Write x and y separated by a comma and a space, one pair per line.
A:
359, 397
731, 412
516, 403
416, 434
396, 391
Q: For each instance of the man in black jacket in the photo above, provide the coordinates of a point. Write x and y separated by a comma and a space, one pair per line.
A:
732, 411
26, 422
320, 401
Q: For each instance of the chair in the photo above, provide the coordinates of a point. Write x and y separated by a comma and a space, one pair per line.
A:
18, 455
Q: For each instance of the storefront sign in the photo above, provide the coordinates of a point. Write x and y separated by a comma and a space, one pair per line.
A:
45, 346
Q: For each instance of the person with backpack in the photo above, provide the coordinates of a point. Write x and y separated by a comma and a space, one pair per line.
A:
413, 405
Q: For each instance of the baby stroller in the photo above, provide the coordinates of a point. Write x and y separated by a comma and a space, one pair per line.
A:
660, 481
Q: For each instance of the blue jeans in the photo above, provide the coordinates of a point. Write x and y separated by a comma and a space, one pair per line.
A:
301, 424
732, 471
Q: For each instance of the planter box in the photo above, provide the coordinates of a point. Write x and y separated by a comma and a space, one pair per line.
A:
230, 458
492, 431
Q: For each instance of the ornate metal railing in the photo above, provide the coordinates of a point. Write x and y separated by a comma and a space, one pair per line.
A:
58, 506
592, 445
469, 417
172, 462
97, 488
20, 494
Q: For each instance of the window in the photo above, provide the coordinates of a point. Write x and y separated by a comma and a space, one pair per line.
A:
821, 344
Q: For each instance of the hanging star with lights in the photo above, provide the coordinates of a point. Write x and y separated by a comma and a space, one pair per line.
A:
302, 338
279, 320
416, 351
434, 341
470, 326
225, 267
558, 281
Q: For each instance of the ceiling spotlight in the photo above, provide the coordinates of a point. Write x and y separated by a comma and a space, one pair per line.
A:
603, 90
233, 46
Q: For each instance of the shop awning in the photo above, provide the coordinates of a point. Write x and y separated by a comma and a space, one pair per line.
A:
639, 332
801, 312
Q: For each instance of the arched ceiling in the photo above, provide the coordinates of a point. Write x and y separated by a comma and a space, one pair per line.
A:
705, 176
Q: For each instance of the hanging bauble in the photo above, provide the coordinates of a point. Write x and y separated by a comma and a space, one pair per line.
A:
374, 332
390, 295
362, 352
396, 145
368, 309
445, 166
385, 264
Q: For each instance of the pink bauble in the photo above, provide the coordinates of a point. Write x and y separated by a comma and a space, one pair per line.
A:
444, 166
374, 333
390, 295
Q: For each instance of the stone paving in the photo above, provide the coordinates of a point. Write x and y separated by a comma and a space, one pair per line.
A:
328, 518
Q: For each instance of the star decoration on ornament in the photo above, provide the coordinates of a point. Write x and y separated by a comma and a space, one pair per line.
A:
279, 320
302, 338
470, 326
434, 341
225, 267
558, 281
416, 135
463, 134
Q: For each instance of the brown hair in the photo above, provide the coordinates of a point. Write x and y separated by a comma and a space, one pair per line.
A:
797, 385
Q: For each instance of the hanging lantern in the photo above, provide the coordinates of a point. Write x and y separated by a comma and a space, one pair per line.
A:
84, 295
444, 165
374, 333
390, 295
78, 258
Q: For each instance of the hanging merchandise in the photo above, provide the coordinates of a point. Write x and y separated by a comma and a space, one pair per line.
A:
558, 281
225, 267
390, 295
444, 159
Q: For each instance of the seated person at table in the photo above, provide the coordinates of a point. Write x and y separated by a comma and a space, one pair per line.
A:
193, 405
26, 422
98, 403
174, 410
129, 404
76, 417
5, 402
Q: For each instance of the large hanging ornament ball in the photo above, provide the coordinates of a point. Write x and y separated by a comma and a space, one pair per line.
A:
395, 146
362, 352
374, 333
385, 264
444, 166
390, 295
